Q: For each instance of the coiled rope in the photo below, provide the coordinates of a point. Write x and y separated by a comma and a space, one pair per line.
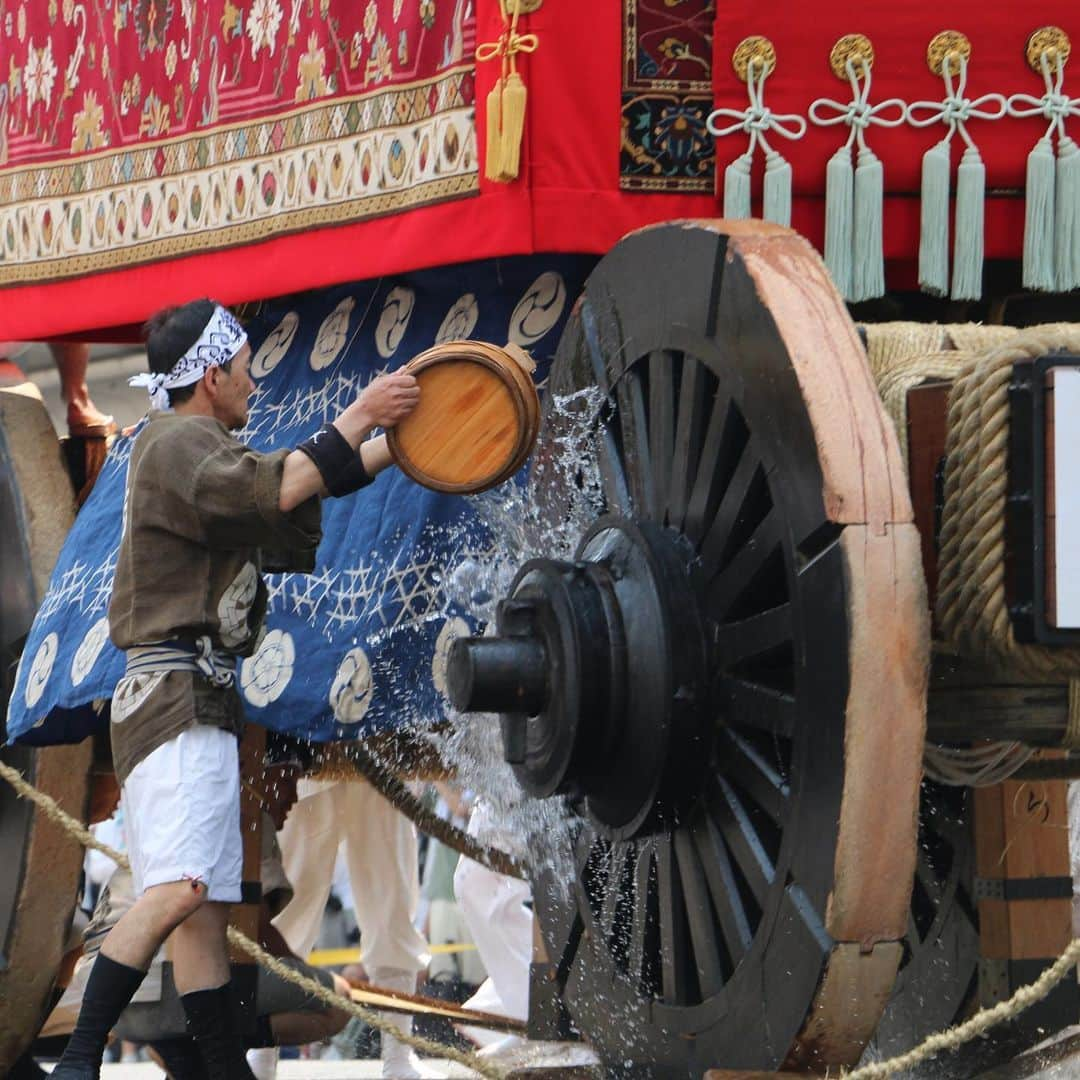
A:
52, 810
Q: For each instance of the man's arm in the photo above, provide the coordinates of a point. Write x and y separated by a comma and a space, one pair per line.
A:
386, 400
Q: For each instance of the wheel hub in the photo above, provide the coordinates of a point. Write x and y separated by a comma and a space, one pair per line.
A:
598, 671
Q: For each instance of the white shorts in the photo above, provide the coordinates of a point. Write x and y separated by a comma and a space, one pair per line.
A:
182, 814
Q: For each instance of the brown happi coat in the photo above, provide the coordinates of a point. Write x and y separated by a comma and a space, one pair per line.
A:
200, 507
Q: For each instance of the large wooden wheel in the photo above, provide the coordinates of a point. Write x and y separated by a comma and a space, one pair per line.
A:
746, 842
39, 883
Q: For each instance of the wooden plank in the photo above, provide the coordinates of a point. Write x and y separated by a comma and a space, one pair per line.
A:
927, 413
395, 1001
1021, 835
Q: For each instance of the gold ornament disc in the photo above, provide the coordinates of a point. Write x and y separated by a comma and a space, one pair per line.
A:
950, 45
754, 50
856, 48
1051, 40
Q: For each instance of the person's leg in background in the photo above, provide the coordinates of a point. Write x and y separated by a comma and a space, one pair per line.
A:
381, 849
309, 843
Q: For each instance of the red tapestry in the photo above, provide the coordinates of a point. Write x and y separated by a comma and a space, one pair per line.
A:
138, 130
667, 96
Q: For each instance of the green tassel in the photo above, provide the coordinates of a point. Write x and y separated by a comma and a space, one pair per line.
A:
868, 273
777, 205
934, 221
968, 242
1067, 206
1039, 218
839, 219
737, 187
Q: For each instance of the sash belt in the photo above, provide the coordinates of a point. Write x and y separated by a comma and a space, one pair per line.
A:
200, 656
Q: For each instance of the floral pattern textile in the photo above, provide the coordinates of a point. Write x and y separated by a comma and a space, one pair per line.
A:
136, 130
667, 96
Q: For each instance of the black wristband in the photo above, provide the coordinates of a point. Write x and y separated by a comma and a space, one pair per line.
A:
339, 465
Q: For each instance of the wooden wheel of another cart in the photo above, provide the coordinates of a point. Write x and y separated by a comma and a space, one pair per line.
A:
39, 883
761, 925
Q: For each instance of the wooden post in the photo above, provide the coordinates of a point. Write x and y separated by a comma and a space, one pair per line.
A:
245, 915
1024, 893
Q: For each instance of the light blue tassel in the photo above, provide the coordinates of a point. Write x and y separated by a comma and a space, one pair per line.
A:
1039, 218
970, 210
737, 187
1067, 207
934, 221
777, 203
839, 219
868, 273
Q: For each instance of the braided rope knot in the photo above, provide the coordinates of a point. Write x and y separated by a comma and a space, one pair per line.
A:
1055, 105
757, 118
857, 114
956, 109
508, 43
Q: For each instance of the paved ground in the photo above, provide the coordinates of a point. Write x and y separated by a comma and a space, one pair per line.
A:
291, 1070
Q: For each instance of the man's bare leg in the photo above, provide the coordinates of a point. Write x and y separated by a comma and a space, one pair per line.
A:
71, 359
201, 971
119, 969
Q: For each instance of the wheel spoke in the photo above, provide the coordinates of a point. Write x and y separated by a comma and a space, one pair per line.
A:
724, 441
742, 571
637, 459
749, 704
689, 429
609, 907
661, 421
931, 883
734, 924
590, 332
612, 474
674, 963
743, 841
699, 915
751, 772
714, 548
737, 641
643, 935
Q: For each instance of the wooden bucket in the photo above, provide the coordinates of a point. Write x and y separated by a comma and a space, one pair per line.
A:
477, 421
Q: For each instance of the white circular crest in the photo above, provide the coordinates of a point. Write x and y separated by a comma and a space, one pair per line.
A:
394, 320
451, 631
131, 691
353, 687
41, 669
234, 607
87, 654
275, 345
460, 320
264, 676
538, 310
332, 335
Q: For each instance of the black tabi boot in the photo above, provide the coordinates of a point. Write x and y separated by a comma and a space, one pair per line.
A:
181, 1058
26, 1068
211, 1021
108, 990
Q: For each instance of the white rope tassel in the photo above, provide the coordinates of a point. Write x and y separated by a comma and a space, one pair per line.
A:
853, 202
954, 110
756, 120
868, 263
839, 218
737, 187
968, 241
1067, 212
1051, 211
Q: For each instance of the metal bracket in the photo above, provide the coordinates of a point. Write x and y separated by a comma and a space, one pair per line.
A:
1036, 888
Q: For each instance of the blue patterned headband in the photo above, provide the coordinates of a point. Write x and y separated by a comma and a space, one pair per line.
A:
222, 338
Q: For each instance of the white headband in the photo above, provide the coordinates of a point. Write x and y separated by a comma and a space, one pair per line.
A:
222, 338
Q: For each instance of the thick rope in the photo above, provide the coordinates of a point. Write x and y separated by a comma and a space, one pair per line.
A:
972, 609
56, 814
981, 1022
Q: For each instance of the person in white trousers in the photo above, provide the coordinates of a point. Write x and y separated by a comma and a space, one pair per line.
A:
494, 909
381, 851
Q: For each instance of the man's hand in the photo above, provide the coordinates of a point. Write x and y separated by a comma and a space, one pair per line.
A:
389, 399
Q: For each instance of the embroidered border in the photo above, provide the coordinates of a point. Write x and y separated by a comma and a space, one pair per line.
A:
667, 97
331, 163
